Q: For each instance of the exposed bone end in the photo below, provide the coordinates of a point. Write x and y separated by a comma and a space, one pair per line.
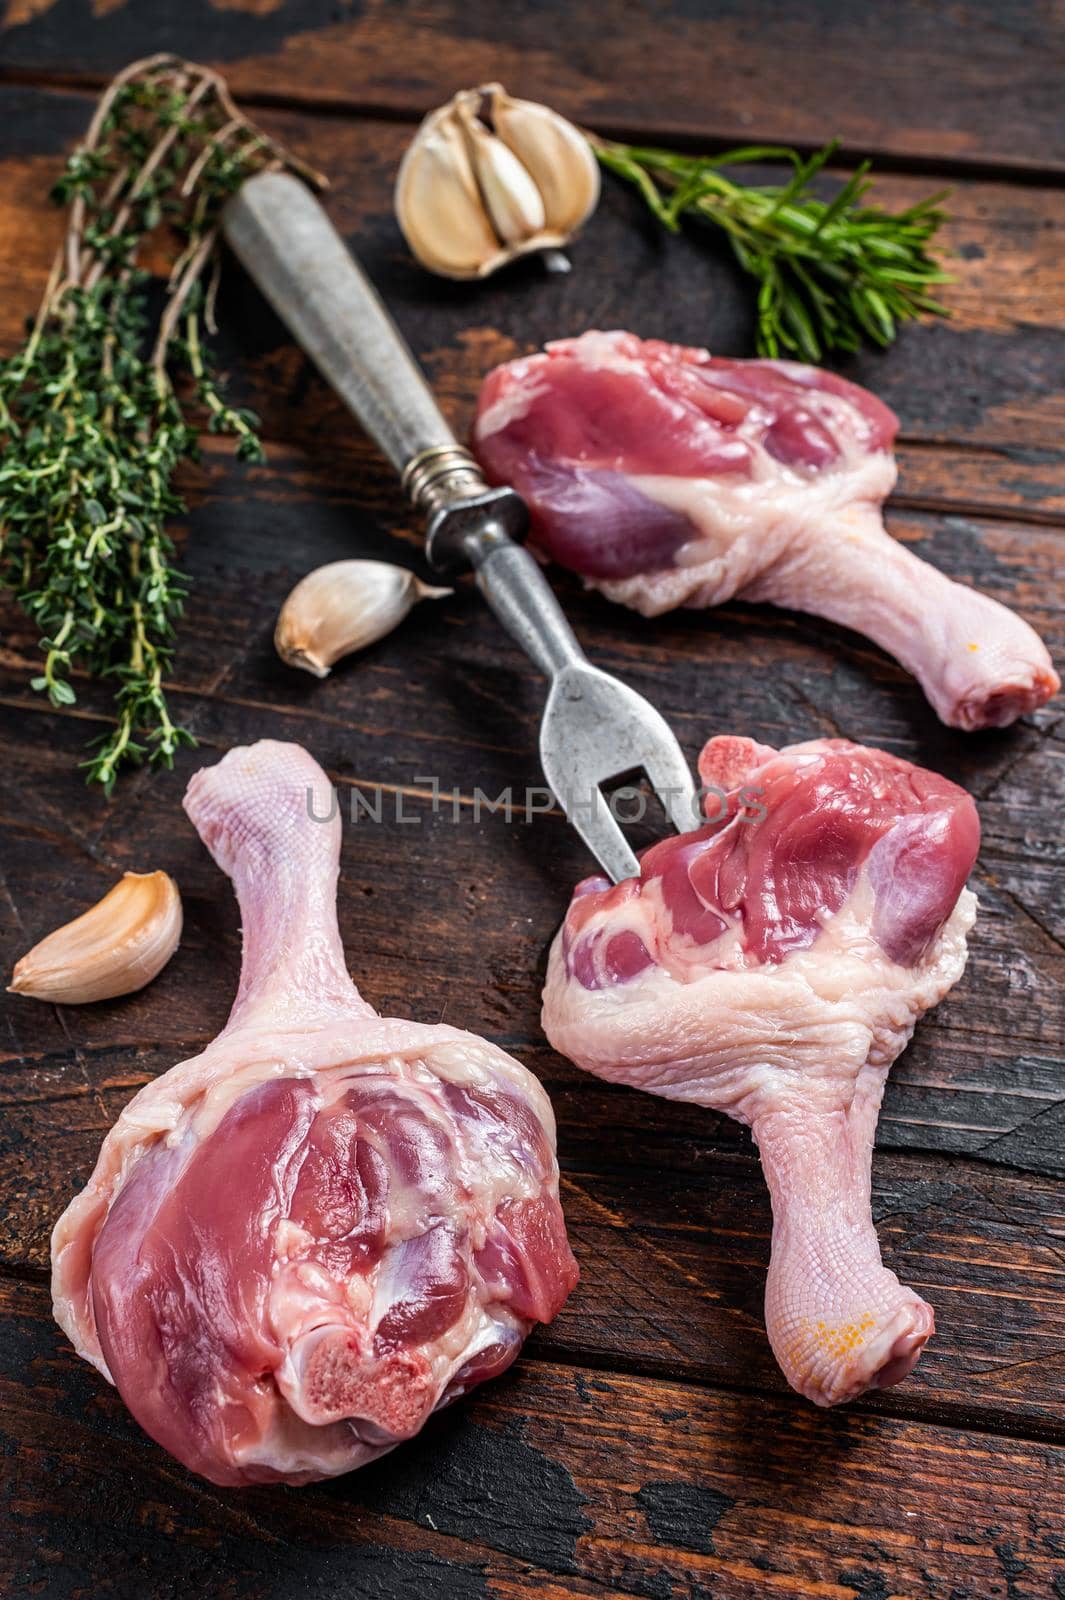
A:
395, 1392
906, 1350
834, 1360
998, 705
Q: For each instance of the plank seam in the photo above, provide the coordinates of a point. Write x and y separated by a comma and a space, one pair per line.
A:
926, 1413
930, 1413
1017, 170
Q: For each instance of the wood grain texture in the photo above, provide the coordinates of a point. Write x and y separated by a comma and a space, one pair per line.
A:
981, 398
973, 82
447, 698
645, 1445
557, 1480
670, 1220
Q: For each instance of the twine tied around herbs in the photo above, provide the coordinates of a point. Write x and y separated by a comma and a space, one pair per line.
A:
110, 391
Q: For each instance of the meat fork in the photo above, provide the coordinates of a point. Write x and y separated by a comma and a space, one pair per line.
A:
594, 728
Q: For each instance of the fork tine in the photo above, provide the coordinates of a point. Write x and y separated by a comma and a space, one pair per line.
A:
596, 728
601, 832
672, 782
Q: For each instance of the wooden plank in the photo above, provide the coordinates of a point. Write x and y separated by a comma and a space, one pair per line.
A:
666, 1290
990, 378
64, 846
981, 399
456, 701
671, 1224
669, 1217
449, 698
446, 917
556, 1480
1008, 479
645, 1446
977, 82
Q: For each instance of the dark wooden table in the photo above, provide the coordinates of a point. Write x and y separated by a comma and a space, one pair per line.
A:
645, 1445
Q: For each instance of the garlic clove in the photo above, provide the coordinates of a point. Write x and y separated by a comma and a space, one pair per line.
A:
345, 606
117, 946
555, 154
511, 197
438, 203
488, 178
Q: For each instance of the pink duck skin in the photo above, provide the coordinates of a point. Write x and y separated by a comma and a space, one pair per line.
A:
666, 477
299, 1244
772, 965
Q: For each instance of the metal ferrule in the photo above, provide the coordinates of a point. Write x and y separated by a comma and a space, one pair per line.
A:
594, 727
437, 476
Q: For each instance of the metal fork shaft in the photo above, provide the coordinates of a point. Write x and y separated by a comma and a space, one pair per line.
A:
290, 248
517, 591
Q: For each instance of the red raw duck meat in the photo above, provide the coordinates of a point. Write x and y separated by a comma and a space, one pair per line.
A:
667, 477
299, 1244
772, 965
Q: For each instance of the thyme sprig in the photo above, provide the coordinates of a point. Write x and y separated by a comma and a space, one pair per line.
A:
831, 273
108, 394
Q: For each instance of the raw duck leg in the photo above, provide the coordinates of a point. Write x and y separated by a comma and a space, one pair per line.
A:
666, 477
299, 1244
772, 965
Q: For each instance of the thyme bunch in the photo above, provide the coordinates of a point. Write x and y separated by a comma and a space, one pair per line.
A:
830, 273
108, 394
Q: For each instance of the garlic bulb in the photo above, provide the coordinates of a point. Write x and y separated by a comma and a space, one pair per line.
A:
117, 946
488, 178
342, 607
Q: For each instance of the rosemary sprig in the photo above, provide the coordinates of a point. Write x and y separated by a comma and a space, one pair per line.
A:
830, 273
106, 397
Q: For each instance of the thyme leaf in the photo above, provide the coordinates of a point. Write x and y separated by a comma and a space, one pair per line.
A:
108, 393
